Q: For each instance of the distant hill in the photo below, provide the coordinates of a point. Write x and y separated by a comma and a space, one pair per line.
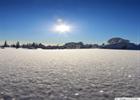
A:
120, 43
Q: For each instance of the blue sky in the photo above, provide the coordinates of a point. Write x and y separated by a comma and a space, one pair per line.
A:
92, 21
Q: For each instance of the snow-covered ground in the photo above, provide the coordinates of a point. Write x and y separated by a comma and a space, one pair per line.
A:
92, 74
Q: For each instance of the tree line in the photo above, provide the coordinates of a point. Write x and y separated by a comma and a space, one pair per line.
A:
113, 43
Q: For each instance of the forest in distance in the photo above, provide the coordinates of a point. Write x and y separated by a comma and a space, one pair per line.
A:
113, 43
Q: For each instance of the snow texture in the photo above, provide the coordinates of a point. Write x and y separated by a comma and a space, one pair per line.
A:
78, 74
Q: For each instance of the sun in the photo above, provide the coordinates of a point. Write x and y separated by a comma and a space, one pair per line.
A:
62, 27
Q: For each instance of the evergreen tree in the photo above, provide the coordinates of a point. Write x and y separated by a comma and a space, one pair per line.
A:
5, 44
17, 44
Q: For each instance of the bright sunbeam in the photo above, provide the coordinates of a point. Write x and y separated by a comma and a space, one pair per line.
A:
61, 27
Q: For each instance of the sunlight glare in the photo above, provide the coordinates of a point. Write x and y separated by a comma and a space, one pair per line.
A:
62, 28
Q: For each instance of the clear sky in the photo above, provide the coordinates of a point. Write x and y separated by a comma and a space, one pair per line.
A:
91, 21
